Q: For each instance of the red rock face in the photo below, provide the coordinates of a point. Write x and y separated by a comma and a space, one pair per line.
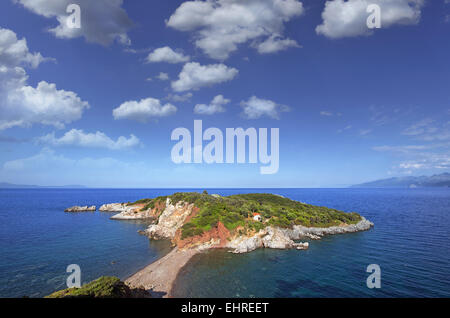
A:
223, 233
177, 239
219, 233
159, 208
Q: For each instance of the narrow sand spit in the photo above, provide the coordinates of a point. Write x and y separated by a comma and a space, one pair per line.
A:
159, 276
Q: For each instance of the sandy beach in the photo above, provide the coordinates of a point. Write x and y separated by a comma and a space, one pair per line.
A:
159, 276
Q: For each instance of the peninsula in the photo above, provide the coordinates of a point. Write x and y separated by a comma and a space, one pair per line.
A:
195, 222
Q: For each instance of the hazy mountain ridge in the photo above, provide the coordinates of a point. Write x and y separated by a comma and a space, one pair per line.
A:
5, 185
438, 180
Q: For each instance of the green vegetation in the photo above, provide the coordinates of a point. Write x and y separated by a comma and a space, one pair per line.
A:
237, 211
104, 287
151, 203
142, 201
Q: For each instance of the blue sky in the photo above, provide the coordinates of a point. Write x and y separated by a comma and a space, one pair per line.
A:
96, 106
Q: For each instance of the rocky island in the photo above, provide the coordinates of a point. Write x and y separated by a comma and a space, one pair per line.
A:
77, 209
196, 222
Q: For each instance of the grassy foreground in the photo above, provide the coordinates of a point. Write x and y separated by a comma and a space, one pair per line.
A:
104, 287
236, 211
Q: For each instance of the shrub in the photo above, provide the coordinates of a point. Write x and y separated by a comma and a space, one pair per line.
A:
104, 287
236, 210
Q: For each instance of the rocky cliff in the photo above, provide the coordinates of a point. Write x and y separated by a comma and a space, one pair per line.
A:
171, 219
174, 216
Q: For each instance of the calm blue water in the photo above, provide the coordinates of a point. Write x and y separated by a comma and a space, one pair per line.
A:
38, 240
410, 242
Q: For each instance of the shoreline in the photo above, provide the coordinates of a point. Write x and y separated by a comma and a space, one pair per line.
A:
159, 277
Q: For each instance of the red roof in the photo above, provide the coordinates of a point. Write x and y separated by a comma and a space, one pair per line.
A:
255, 214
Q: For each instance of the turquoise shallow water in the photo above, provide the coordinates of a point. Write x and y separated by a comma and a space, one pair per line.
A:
410, 242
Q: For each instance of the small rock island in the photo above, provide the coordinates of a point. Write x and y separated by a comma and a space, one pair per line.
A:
77, 209
195, 222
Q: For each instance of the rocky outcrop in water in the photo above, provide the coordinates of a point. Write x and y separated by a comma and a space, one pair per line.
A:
245, 244
127, 212
76, 209
270, 237
133, 213
113, 207
279, 238
299, 231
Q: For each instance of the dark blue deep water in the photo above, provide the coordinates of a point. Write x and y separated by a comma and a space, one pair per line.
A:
410, 242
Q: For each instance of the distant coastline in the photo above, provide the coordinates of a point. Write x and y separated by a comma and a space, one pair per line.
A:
435, 181
5, 185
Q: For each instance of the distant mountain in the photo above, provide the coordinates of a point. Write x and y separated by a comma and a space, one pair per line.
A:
438, 180
4, 185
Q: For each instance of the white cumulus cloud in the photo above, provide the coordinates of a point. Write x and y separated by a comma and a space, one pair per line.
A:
194, 76
166, 54
179, 98
24, 105
256, 107
102, 21
143, 110
216, 106
221, 25
163, 76
275, 44
349, 18
47, 105
14, 52
77, 137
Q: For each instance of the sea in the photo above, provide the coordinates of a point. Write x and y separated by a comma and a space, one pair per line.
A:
410, 243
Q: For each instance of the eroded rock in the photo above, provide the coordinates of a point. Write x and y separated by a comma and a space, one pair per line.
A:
245, 244
133, 213
299, 231
76, 209
113, 207
171, 219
